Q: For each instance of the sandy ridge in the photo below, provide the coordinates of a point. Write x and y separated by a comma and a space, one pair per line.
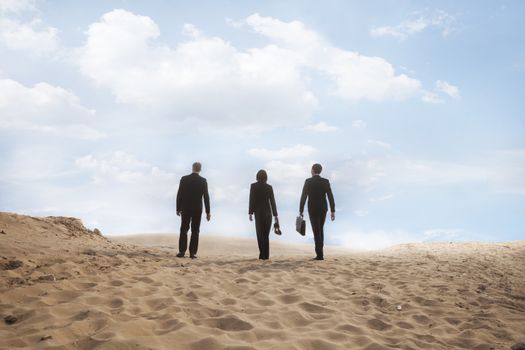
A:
116, 295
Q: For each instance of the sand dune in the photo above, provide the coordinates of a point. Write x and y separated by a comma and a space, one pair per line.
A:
65, 287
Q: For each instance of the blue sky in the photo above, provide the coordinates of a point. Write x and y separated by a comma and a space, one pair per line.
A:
414, 108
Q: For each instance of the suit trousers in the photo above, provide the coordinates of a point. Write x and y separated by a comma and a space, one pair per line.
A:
263, 224
317, 219
188, 218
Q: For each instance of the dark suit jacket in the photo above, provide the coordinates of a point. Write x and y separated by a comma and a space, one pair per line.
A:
192, 189
261, 197
316, 189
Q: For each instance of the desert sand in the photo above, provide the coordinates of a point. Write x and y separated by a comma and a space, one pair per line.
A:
65, 287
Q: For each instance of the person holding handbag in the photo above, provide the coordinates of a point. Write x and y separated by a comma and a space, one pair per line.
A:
262, 206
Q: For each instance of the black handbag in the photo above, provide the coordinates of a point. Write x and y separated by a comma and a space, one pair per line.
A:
300, 225
277, 229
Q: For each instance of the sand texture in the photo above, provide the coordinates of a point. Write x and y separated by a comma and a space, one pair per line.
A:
65, 287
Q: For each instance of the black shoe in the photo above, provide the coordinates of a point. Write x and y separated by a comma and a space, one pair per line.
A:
193, 256
318, 258
180, 255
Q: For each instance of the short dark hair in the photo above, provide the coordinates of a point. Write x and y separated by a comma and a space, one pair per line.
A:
196, 166
317, 168
261, 176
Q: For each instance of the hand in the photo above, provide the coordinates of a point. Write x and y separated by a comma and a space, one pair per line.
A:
178, 212
208, 217
276, 219
301, 214
332, 216
251, 217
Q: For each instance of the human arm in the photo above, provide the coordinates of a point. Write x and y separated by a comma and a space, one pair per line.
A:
272, 202
330, 200
304, 195
206, 200
251, 201
179, 198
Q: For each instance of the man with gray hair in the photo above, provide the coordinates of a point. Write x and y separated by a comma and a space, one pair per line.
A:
192, 189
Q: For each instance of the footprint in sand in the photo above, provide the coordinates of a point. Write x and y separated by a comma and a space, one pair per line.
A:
452, 321
145, 280
289, 298
116, 303
103, 336
169, 326
264, 302
81, 316
192, 296
421, 319
157, 304
228, 301
350, 329
404, 325
378, 325
206, 343
116, 283
86, 285
313, 308
228, 323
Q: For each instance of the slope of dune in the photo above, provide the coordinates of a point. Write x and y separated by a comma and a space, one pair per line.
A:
65, 287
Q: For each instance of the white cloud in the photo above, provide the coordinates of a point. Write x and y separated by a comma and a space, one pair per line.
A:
361, 213
287, 172
32, 37
431, 97
234, 23
355, 76
378, 143
507, 171
123, 169
381, 199
361, 173
44, 108
16, 6
190, 30
285, 153
207, 80
502, 171
358, 124
448, 89
441, 20
203, 79
321, 127
287, 167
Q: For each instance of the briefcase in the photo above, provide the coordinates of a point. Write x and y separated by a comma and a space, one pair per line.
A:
300, 225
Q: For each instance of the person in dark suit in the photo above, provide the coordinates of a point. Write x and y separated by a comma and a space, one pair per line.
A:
262, 204
317, 189
192, 189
